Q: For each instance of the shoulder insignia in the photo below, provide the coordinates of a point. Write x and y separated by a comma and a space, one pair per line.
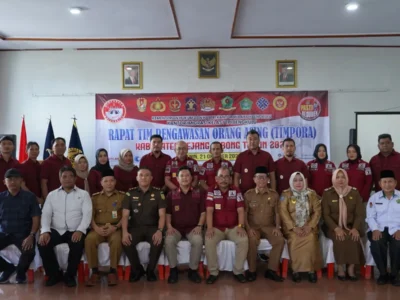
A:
128, 194
354, 188
329, 188
121, 192
156, 188
95, 194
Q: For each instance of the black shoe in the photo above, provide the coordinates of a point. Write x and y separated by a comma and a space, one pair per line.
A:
251, 276
240, 278
173, 275
53, 280
21, 278
263, 257
151, 276
296, 277
194, 276
312, 277
69, 280
353, 278
395, 280
5, 276
136, 275
342, 278
211, 279
383, 279
270, 274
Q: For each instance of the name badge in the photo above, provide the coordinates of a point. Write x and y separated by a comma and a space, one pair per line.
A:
224, 164
217, 193
135, 198
176, 207
314, 166
232, 193
114, 214
217, 206
334, 201
152, 199
174, 175
210, 165
378, 203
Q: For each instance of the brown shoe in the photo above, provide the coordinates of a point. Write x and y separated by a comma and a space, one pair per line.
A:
95, 278
112, 279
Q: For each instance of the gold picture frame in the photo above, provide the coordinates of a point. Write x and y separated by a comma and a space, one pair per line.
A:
208, 64
286, 73
132, 75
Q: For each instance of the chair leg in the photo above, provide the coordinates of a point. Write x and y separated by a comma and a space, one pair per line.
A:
331, 270
120, 272
166, 271
31, 276
285, 267
127, 273
319, 274
161, 272
81, 273
201, 270
368, 272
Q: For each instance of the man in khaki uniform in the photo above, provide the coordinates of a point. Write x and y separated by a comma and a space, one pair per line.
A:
262, 221
225, 220
106, 225
145, 205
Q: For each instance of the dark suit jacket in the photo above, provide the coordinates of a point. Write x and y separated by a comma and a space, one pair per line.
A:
289, 78
129, 81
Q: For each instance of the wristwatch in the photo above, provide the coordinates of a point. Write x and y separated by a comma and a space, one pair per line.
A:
160, 229
199, 225
33, 234
241, 226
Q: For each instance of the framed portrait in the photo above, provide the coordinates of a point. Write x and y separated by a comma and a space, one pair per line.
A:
208, 64
286, 73
132, 75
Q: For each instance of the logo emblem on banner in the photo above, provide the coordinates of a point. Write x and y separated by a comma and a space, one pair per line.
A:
227, 103
246, 104
141, 104
190, 104
113, 110
279, 103
309, 108
207, 104
157, 106
174, 105
262, 103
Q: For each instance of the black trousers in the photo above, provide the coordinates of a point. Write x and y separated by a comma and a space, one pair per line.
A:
143, 234
50, 263
26, 256
379, 252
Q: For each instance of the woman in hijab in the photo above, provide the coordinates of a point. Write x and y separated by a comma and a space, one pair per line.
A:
344, 214
300, 211
81, 167
102, 164
320, 170
359, 171
125, 172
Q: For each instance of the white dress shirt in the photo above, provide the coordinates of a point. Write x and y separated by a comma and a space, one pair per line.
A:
383, 212
64, 211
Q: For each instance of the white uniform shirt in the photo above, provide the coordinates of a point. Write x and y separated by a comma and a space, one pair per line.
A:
383, 212
67, 211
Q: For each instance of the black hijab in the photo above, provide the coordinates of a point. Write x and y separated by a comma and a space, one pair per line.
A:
321, 161
99, 167
358, 150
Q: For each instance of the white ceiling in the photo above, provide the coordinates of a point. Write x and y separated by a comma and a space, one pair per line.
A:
41, 24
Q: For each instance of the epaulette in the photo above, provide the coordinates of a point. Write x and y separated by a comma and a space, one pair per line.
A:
156, 188
95, 194
329, 188
354, 188
133, 189
121, 192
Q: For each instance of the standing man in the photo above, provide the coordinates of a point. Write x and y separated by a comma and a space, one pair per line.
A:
185, 218
386, 159
247, 161
156, 161
66, 217
262, 221
6, 160
106, 225
288, 165
51, 167
225, 220
30, 170
210, 167
383, 218
181, 159
19, 222
145, 205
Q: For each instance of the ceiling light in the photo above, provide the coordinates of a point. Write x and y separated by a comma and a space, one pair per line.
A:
352, 6
75, 10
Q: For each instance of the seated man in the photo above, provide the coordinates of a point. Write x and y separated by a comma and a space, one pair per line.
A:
66, 217
145, 205
383, 218
225, 220
262, 221
185, 218
19, 221
106, 225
